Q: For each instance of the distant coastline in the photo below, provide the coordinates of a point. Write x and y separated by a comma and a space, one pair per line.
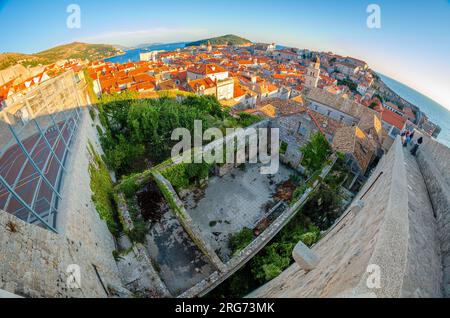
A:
435, 112
132, 55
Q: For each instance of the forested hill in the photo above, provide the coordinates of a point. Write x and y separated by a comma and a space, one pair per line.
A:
73, 50
222, 40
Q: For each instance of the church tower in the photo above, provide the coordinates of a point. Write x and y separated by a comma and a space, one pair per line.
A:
312, 73
209, 47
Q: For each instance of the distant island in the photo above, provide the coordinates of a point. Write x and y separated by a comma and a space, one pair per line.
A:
222, 40
144, 45
73, 50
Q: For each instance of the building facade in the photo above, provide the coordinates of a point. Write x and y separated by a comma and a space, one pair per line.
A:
312, 73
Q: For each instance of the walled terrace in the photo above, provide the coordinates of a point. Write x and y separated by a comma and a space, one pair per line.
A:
172, 256
241, 198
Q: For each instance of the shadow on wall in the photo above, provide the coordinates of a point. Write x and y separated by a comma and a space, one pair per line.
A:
36, 135
434, 163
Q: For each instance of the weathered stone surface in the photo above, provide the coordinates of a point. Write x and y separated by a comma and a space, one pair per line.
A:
5, 294
393, 233
304, 257
125, 214
34, 261
139, 275
253, 248
186, 221
434, 162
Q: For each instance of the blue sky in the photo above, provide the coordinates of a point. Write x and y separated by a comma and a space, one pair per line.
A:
412, 46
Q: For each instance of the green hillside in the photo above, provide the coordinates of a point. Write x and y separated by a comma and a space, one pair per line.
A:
73, 50
78, 50
222, 40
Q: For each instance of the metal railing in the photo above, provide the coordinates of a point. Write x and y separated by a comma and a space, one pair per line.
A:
34, 149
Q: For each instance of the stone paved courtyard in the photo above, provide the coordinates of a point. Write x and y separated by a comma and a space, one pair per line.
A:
232, 202
180, 264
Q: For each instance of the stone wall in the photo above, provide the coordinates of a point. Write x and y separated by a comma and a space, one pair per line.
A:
434, 163
33, 261
290, 134
439, 155
388, 236
185, 220
78, 219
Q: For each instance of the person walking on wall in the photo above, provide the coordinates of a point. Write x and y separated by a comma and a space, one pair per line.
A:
405, 143
403, 135
416, 146
411, 136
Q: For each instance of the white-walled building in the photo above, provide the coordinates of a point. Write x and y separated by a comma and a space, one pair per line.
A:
213, 71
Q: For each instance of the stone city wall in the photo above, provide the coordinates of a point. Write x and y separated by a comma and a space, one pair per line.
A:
34, 262
77, 216
385, 248
434, 163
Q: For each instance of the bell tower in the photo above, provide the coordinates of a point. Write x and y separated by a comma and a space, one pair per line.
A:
312, 73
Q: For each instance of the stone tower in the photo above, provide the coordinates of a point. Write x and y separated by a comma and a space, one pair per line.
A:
209, 47
312, 73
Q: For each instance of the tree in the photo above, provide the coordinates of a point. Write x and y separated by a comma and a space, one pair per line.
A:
315, 153
240, 240
379, 97
350, 84
323, 208
139, 130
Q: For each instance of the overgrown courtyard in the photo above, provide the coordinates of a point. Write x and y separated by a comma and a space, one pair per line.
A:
136, 136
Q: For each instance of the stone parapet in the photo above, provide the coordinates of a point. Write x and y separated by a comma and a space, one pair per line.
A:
434, 162
387, 249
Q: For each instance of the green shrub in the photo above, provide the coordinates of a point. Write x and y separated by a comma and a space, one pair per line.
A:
315, 153
246, 120
177, 176
298, 192
103, 194
128, 186
92, 113
283, 147
139, 130
241, 240
275, 258
139, 232
309, 238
